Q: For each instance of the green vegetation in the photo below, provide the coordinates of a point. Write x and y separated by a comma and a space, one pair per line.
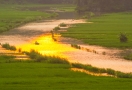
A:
6, 59
11, 16
104, 30
123, 38
68, 9
101, 70
37, 57
102, 6
75, 46
62, 25
51, 72
8, 47
43, 7
56, 28
127, 54
31, 75
37, 2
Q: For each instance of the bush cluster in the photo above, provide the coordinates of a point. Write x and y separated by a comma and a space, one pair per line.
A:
89, 68
8, 47
56, 29
62, 25
123, 38
36, 56
101, 70
75, 46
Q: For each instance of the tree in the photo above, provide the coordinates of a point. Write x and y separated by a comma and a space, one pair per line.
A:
103, 5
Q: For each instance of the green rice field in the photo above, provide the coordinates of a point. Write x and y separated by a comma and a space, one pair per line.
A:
54, 74
12, 16
29, 75
104, 30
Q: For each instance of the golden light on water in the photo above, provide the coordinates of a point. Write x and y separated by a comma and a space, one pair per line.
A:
46, 46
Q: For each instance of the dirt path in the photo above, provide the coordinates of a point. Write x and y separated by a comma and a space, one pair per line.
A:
26, 35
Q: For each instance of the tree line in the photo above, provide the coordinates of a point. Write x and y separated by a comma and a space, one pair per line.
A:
103, 5
37, 1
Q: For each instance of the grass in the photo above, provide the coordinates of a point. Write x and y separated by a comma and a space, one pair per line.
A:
6, 59
41, 75
105, 30
37, 57
29, 75
61, 7
11, 16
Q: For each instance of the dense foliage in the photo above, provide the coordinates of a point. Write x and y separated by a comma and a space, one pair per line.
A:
37, 1
103, 5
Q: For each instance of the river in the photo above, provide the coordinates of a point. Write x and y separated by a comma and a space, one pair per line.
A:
25, 36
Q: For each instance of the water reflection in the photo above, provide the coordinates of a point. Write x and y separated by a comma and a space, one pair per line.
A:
46, 46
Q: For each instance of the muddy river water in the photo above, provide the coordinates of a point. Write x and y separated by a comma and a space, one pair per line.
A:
25, 36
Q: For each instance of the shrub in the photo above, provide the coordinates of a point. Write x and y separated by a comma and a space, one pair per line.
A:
57, 60
37, 57
13, 48
62, 25
33, 54
123, 38
104, 53
94, 69
123, 75
19, 50
8, 47
111, 72
40, 58
53, 15
101, 70
87, 67
36, 43
75, 46
77, 65
56, 28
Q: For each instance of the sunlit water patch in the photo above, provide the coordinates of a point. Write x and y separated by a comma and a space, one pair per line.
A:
46, 46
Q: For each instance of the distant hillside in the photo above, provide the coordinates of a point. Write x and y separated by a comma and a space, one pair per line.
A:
37, 1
